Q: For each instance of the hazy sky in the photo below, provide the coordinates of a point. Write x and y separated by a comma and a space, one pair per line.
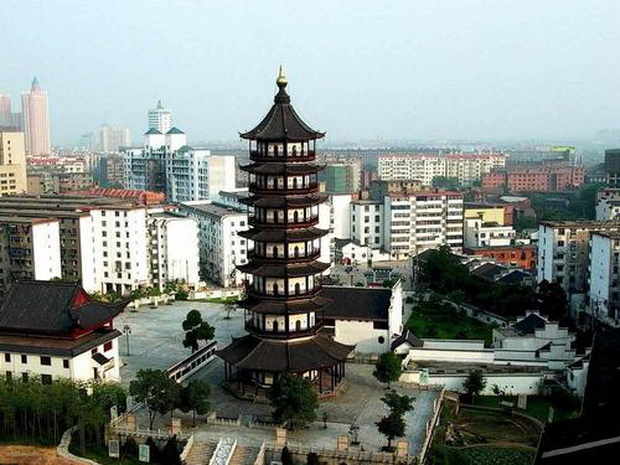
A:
357, 69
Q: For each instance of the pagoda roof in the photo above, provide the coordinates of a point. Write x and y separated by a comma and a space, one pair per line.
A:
276, 270
283, 202
282, 121
152, 131
282, 168
283, 235
252, 353
45, 307
175, 130
282, 307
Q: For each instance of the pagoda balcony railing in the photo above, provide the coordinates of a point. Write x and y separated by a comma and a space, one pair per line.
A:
270, 222
311, 255
308, 155
293, 190
251, 328
280, 295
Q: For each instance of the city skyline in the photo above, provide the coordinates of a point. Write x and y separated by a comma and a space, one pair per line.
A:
446, 70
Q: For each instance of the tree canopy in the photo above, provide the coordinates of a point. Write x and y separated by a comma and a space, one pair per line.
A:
158, 392
194, 397
389, 367
293, 399
475, 383
196, 330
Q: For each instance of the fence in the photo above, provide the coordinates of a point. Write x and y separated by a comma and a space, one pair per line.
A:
187, 448
192, 363
338, 455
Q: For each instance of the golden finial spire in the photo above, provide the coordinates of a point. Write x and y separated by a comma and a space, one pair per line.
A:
281, 81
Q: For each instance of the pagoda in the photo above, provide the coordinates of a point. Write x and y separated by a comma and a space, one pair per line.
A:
283, 307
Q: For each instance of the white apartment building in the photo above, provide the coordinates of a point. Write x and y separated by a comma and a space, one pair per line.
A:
221, 248
160, 118
366, 223
479, 233
341, 213
603, 302
464, 167
608, 204
173, 246
422, 220
564, 252
167, 164
122, 255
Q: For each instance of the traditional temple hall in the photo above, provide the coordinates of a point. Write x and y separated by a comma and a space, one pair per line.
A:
284, 307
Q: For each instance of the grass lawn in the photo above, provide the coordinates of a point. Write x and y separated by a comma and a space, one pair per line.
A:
537, 406
444, 322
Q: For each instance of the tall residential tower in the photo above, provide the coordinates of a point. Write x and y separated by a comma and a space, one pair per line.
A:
36, 120
160, 118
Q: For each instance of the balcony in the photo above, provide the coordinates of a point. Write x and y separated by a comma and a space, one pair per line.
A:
309, 293
303, 189
270, 222
308, 155
312, 254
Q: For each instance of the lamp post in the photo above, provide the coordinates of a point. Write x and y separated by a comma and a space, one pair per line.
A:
127, 332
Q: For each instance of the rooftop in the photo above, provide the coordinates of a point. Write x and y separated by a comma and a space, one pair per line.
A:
213, 209
357, 303
46, 307
585, 224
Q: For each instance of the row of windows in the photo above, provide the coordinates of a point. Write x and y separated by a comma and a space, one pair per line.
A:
43, 360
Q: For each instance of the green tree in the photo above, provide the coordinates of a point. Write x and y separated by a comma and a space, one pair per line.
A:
293, 399
195, 398
398, 404
196, 330
391, 426
553, 300
389, 367
230, 307
474, 384
158, 392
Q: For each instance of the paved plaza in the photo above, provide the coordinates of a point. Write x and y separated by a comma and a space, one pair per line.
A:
156, 342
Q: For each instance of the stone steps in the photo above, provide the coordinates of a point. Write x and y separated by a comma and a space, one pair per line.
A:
200, 453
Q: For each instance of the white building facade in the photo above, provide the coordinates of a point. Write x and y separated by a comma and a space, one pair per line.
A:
478, 233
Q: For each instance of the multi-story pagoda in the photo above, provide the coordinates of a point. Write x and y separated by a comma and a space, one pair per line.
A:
283, 305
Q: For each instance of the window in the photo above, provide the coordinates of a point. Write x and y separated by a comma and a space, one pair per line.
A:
107, 346
46, 379
24, 359
47, 361
65, 363
7, 358
381, 340
24, 377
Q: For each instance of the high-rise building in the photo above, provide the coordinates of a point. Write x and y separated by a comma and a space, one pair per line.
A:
9, 120
284, 306
160, 118
112, 139
342, 176
167, 164
12, 163
36, 120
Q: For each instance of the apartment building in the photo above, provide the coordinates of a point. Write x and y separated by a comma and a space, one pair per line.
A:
221, 248
549, 178
169, 260
480, 233
422, 220
464, 167
608, 204
12, 163
29, 249
564, 252
603, 302
366, 223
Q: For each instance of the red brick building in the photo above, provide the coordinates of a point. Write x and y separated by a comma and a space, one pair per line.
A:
542, 179
523, 256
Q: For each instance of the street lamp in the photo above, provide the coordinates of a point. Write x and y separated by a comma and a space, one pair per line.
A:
127, 332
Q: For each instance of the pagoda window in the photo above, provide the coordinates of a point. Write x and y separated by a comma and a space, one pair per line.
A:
275, 326
296, 251
298, 325
295, 182
296, 216
275, 288
274, 251
297, 289
280, 183
294, 151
